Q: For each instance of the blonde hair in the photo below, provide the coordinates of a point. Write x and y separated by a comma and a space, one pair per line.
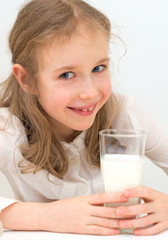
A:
38, 23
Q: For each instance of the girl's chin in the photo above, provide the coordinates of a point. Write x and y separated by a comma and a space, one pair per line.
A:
83, 128
83, 124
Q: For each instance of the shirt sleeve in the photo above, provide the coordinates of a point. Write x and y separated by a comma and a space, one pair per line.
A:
156, 147
8, 139
5, 156
5, 149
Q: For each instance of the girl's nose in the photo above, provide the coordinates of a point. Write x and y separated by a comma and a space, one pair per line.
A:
88, 89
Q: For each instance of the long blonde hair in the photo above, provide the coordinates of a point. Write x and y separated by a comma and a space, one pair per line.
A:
38, 23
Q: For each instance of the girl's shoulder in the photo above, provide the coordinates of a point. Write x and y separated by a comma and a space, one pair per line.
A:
11, 135
10, 123
129, 112
123, 97
124, 103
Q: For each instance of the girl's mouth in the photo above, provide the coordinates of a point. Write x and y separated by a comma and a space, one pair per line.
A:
84, 111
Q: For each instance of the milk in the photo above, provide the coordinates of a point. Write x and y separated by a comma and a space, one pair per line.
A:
120, 172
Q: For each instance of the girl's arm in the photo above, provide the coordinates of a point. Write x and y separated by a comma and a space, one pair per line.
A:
83, 215
21, 216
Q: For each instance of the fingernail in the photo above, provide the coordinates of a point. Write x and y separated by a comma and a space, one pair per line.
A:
126, 193
137, 232
119, 211
123, 198
123, 224
116, 231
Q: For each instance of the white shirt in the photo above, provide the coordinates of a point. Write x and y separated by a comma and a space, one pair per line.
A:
81, 178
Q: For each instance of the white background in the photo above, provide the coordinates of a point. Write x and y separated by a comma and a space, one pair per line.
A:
143, 71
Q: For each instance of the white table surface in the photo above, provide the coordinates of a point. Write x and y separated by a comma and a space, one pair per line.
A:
18, 235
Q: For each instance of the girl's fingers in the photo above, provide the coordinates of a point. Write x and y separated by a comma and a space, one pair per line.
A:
104, 222
141, 192
106, 198
139, 209
106, 212
156, 228
97, 230
138, 222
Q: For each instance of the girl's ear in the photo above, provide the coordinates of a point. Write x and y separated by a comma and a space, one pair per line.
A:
21, 76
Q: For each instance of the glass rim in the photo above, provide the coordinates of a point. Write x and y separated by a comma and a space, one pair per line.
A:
122, 133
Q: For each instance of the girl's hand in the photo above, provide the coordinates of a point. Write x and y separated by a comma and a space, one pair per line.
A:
83, 215
155, 206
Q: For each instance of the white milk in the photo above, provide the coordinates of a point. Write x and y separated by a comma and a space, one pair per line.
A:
120, 172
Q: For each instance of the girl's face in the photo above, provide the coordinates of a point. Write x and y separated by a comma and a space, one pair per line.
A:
74, 81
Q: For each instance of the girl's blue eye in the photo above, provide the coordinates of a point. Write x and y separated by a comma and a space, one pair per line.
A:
67, 75
98, 68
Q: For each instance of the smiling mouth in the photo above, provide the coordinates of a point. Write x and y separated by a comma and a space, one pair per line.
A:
83, 109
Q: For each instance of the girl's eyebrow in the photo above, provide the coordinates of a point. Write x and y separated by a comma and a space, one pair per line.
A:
72, 67
106, 59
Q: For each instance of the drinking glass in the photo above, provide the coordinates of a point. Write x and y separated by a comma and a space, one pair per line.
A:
121, 161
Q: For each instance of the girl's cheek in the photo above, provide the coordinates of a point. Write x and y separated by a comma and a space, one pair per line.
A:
107, 88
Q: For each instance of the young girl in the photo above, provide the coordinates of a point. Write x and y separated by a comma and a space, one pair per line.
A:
53, 106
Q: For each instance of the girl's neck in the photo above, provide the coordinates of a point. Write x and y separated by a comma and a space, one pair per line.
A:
66, 136
72, 137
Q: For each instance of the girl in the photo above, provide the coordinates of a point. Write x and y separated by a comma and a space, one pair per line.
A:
53, 106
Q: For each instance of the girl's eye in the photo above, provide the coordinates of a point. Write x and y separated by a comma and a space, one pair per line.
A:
98, 68
67, 75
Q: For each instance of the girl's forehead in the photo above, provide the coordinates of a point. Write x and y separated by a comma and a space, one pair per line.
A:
82, 29
82, 36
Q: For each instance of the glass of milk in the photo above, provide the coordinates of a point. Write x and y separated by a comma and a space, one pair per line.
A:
121, 159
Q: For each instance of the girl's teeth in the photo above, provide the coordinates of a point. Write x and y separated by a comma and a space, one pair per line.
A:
85, 110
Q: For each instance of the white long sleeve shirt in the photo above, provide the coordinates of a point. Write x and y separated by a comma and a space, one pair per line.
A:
81, 178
